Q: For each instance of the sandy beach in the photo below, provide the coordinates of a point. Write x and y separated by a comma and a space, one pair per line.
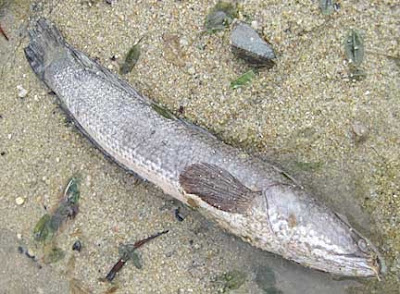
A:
339, 137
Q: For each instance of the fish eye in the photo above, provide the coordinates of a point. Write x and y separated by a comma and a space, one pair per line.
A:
362, 244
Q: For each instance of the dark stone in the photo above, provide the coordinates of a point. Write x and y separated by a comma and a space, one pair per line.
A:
248, 45
77, 246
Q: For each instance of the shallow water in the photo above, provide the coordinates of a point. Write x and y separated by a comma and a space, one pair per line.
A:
301, 115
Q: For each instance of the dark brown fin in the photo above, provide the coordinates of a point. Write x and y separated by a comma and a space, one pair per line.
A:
217, 187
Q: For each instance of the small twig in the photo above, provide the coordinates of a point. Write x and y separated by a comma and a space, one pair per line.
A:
144, 241
121, 262
115, 269
3, 33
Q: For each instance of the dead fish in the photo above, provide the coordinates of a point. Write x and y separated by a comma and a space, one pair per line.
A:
243, 194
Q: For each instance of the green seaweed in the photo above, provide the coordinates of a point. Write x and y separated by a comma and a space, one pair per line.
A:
327, 6
131, 59
48, 225
354, 47
128, 252
136, 259
244, 79
162, 111
41, 232
221, 16
72, 193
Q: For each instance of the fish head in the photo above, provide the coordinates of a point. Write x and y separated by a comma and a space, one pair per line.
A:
310, 233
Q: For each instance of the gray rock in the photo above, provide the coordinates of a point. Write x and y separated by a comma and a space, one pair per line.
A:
248, 45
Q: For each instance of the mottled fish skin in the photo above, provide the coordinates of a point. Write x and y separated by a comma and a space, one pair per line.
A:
246, 196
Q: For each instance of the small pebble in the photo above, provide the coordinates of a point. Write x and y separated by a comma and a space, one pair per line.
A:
183, 42
21, 91
19, 236
360, 131
111, 2
178, 215
19, 200
248, 45
30, 253
197, 246
191, 70
254, 25
77, 246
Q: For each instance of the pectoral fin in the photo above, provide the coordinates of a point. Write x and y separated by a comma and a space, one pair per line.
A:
217, 187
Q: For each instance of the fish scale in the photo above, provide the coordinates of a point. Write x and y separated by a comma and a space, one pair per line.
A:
243, 194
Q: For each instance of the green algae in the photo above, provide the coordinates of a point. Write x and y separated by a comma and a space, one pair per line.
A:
48, 225
42, 231
131, 59
327, 6
244, 79
354, 47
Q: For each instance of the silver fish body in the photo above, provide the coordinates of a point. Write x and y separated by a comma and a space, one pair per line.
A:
245, 195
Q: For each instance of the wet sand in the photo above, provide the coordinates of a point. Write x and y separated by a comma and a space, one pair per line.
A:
303, 114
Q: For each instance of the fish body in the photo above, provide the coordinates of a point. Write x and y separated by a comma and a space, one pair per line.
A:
243, 194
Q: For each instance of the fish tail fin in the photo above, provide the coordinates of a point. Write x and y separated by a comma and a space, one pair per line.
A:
46, 42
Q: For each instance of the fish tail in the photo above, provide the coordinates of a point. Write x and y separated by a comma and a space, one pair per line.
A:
46, 43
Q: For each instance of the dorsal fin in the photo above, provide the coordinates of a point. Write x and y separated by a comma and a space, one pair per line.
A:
217, 187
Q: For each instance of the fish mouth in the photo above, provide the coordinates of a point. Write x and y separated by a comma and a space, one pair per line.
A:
361, 265
373, 260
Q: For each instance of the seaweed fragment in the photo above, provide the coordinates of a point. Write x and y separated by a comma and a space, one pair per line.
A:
127, 252
354, 47
244, 79
2, 32
221, 16
41, 230
131, 58
48, 225
327, 6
